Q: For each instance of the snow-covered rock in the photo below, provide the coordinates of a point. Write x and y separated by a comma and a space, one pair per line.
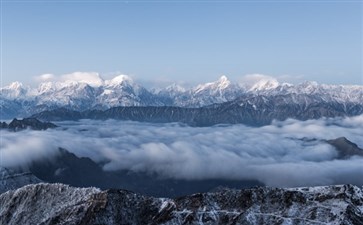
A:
61, 204
14, 90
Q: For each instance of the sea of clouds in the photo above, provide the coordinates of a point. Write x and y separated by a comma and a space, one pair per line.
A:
275, 154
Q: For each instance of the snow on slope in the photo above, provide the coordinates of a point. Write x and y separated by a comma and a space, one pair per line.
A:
92, 92
61, 204
46, 204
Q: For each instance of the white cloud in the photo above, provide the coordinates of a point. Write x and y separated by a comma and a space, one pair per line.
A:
256, 77
45, 77
257, 81
274, 154
91, 78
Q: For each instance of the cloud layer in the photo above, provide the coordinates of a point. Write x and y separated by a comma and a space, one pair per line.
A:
91, 78
95, 79
274, 154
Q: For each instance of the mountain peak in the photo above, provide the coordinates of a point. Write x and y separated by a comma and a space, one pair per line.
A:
45, 87
265, 84
221, 83
16, 85
223, 78
119, 80
309, 83
175, 88
14, 90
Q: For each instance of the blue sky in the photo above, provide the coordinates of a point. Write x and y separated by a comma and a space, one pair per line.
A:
183, 41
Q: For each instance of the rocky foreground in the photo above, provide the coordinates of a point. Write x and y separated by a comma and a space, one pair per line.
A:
62, 204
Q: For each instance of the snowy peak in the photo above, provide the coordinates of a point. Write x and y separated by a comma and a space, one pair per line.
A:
265, 84
223, 82
14, 90
119, 80
309, 87
220, 84
175, 88
45, 87
16, 85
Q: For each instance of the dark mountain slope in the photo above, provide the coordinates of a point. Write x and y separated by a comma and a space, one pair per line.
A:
346, 148
26, 123
67, 168
249, 110
12, 179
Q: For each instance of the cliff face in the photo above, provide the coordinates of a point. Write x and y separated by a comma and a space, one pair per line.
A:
61, 204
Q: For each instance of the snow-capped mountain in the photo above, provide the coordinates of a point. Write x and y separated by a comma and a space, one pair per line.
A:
249, 110
14, 90
96, 93
219, 91
62, 204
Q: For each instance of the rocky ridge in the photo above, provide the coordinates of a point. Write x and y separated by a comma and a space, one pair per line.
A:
26, 123
61, 204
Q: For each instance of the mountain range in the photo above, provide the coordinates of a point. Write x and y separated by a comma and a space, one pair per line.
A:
18, 100
252, 111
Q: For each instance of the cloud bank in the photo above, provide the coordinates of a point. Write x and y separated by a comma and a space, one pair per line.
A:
91, 78
274, 154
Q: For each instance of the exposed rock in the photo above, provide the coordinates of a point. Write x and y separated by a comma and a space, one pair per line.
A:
26, 123
346, 148
61, 204
3, 125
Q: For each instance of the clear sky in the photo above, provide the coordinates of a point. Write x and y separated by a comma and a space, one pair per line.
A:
193, 41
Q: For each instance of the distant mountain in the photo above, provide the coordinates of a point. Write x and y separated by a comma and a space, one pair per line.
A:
18, 100
26, 123
250, 110
61, 204
345, 148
